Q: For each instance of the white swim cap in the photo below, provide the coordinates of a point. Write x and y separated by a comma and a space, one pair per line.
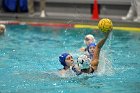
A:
90, 37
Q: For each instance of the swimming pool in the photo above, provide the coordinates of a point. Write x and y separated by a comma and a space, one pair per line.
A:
28, 55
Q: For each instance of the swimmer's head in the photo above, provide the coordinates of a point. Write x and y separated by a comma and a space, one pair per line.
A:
66, 59
89, 39
91, 48
2, 28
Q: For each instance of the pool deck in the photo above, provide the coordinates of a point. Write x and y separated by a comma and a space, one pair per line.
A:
79, 21
73, 13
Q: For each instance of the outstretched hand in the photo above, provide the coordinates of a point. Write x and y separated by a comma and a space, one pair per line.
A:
106, 33
82, 49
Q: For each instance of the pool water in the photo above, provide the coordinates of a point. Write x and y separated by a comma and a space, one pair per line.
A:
29, 58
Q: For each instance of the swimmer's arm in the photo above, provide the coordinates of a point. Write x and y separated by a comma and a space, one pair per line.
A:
101, 43
95, 61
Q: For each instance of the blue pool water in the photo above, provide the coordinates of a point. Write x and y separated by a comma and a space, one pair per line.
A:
29, 61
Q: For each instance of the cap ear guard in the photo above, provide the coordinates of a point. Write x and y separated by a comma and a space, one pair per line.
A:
62, 58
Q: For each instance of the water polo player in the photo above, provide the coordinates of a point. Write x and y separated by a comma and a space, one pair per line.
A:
2, 29
68, 64
88, 40
91, 49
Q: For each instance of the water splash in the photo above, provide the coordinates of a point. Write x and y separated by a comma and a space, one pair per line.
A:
105, 63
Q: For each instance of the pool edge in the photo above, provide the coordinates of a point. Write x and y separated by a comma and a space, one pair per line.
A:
66, 25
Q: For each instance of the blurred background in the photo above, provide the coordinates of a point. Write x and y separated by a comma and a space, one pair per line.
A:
122, 12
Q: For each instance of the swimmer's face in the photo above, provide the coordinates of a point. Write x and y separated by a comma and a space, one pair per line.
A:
69, 60
88, 40
92, 49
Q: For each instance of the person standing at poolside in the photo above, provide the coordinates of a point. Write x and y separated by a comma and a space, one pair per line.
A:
133, 11
31, 7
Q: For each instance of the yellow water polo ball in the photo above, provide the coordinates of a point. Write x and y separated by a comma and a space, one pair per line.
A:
105, 25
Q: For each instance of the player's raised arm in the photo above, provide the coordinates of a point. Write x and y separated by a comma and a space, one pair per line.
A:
105, 25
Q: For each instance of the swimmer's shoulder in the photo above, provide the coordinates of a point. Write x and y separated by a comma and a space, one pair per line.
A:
61, 72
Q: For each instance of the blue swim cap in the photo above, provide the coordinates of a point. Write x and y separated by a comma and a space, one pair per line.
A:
91, 45
62, 58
